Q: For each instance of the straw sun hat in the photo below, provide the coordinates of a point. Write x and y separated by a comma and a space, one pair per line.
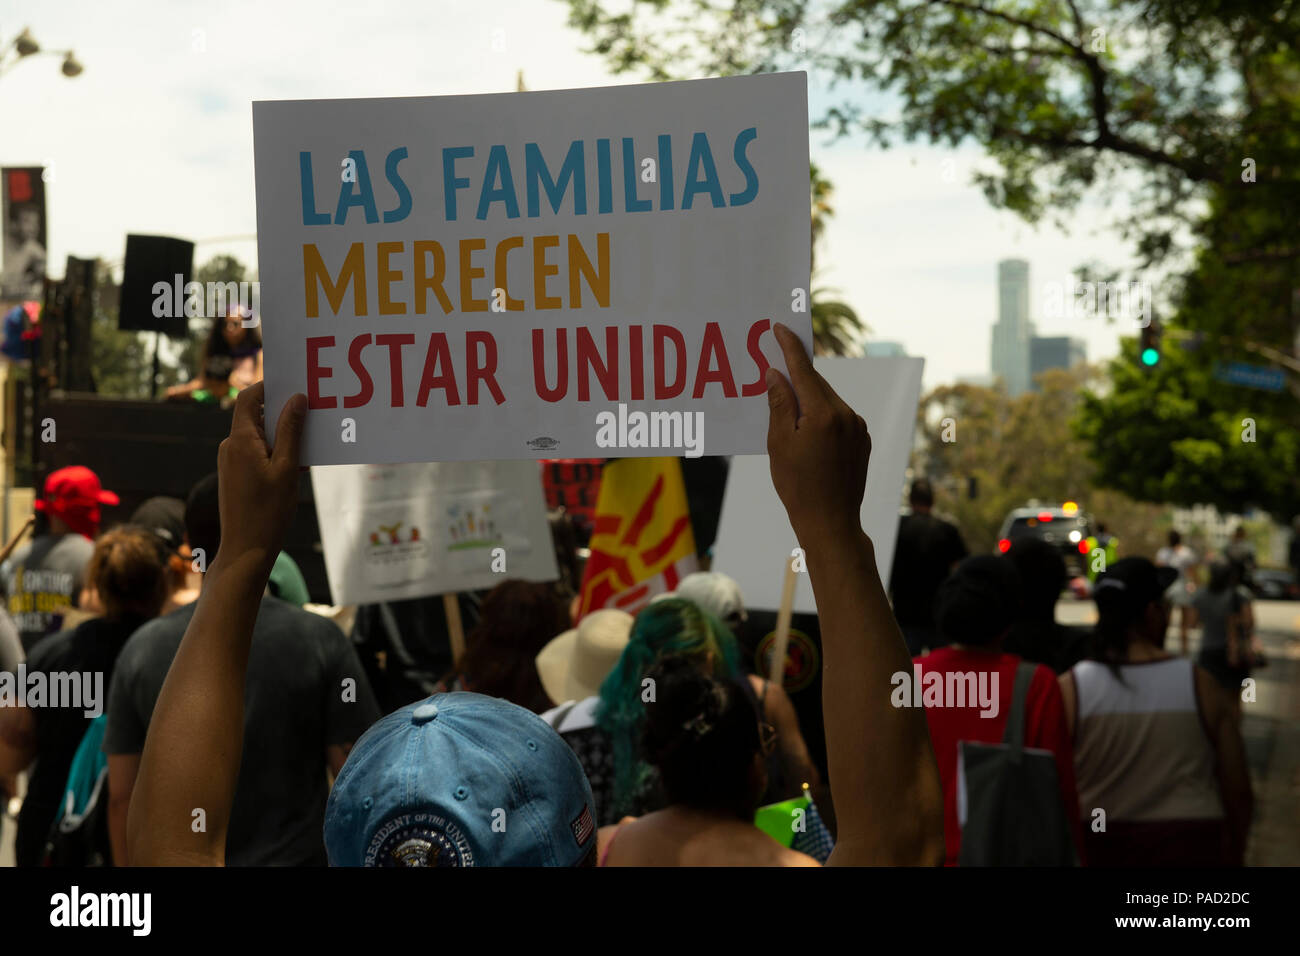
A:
573, 665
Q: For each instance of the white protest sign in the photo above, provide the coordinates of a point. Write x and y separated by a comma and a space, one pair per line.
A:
755, 539
538, 274
392, 532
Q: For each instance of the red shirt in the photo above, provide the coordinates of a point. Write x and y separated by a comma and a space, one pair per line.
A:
1044, 729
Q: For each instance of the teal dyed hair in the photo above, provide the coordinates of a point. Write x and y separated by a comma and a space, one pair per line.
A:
673, 627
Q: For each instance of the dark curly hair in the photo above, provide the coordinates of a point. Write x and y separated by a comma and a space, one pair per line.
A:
702, 735
517, 620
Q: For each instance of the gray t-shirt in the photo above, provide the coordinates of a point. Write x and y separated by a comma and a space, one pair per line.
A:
11, 647
296, 703
1214, 610
43, 575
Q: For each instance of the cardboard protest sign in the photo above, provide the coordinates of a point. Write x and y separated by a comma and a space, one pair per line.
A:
581, 273
755, 538
392, 532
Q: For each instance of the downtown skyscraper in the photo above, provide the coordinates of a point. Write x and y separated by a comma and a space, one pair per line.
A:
1013, 330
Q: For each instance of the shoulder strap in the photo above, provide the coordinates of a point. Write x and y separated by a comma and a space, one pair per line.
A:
1014, 737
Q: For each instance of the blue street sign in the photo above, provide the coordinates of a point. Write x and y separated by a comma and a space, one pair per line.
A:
1251, 376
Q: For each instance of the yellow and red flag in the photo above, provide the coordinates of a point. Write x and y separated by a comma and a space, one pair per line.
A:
641, 540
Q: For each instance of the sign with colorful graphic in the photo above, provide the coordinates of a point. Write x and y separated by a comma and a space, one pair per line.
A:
577, 273
393, 532
641, 541
25, 241
572, 484
803, 662
755, 540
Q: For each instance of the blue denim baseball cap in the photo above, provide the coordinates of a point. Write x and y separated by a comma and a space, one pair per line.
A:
461, 780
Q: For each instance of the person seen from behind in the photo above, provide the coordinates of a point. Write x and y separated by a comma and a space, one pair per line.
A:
518, 619
708, 744
1226, 623
1184, 561
48, 573
1156, 746
1035, 635
927, 550
128, 571
307, 701
976, 607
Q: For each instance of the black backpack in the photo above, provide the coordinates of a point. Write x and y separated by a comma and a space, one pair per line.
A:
1010, 798
79, 836
404, 648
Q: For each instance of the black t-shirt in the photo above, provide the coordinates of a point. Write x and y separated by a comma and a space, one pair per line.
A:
927, 549
91, 649
1059, 646
294, 707
404, 646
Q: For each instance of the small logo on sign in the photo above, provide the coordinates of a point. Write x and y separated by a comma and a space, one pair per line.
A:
543, 443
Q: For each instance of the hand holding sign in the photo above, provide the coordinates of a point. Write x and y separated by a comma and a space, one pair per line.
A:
818, 447
258, 487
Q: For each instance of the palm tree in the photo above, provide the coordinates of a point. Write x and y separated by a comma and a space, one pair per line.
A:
835, 324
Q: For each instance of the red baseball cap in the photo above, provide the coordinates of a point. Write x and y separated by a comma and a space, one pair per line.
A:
74, 495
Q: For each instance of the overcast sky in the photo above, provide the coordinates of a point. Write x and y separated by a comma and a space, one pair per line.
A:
156, 137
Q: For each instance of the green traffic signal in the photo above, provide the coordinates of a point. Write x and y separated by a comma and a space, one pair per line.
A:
1150, 357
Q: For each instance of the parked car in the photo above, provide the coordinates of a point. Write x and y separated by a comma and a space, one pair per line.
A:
1272, 584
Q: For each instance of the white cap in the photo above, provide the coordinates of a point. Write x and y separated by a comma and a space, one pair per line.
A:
715, 593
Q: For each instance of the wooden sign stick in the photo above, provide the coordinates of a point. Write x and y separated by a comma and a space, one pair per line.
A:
455, 630
776, 666
13, 542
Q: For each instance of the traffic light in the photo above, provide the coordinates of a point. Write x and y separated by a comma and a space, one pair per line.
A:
1149, 345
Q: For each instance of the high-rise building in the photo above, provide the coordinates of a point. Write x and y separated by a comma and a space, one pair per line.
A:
1055, 351
1013, 330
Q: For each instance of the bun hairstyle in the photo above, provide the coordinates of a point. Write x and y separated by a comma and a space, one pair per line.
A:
702, 736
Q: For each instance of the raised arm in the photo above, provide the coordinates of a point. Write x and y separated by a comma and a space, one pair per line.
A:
192, 751
883, 775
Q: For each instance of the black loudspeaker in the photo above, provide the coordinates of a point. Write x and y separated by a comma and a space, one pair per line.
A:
150, 260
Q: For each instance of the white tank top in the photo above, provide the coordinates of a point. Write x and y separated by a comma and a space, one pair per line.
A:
1141, 748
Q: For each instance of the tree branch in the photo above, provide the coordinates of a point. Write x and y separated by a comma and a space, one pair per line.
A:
1106, 138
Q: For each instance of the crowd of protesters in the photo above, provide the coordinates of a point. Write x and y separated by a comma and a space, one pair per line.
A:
615, 740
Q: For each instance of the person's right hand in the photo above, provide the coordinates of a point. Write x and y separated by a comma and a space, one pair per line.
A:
817, 446
259, 487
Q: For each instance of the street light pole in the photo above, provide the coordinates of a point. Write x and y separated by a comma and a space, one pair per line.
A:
25, 45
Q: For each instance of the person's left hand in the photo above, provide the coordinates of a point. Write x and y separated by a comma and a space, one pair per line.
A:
259, 487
